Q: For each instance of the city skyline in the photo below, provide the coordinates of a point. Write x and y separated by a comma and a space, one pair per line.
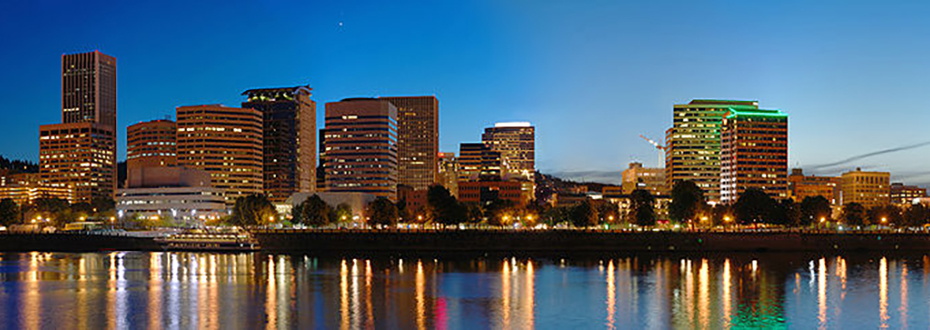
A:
839, 93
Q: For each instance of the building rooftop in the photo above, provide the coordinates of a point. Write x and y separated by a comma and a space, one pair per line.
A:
734, 112
273, 90
514, 124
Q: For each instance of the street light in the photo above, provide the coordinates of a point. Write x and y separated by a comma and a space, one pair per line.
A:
822, 219
884, 220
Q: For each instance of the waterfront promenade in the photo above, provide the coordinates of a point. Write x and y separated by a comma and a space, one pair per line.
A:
505, 241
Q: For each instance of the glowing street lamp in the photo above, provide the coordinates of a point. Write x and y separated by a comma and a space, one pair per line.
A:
884, 220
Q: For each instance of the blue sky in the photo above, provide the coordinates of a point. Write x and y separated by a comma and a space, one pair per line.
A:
591, 76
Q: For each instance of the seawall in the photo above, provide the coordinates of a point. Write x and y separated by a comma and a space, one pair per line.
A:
567, 241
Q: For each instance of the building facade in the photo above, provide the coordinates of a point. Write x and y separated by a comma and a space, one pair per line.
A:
754, 153
360, 147
516, 143
478, 162
289, 139
88, 89
25, 188
180, 194
902, 194
80, 157
80, 153
802, 186
487, 191
417, 140
448, 175
151, 144
692, 151
867, 188
638, 177
227, 143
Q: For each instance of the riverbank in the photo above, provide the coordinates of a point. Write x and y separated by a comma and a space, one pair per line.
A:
500, 241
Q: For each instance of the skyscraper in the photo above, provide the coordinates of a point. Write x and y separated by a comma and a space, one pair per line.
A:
80, 153
693, 143
226, 142
88, 89
516, 142
417, 140
289, 117
360, 147
151, 144
754, 153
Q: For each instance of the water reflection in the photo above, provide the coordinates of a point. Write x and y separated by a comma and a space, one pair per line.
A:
213, 291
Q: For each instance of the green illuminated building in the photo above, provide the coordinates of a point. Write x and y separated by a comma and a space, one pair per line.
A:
693, 143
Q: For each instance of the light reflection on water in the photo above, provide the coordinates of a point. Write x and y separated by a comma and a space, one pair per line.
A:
220, 291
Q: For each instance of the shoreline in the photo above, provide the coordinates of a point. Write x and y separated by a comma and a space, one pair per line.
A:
500, 241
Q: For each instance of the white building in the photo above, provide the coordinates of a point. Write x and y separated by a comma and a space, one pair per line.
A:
182, 194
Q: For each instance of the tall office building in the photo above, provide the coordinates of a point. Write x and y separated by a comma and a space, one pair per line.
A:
867, 188
477, 162
693, 143
79, 156
226, 142
80, 153
289, 117
516, 142
151, 144
360, 147
754, 153
88, 89
417, 140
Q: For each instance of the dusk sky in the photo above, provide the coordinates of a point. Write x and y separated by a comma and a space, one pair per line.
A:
591, 76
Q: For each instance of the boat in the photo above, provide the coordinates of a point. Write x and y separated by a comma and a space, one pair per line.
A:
209, 241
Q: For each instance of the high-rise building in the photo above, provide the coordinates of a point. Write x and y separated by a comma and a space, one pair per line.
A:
417, 140
88, 89
866, 188
638, 177
80, 153
360, 147
226, 142
902, 194
448, 175
692, 150
516, 142
801, 186
289, 139
477, 162
79, 156
754, 153
151, 144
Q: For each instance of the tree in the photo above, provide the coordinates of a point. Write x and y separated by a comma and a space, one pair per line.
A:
813, 209
381, 211
883, 215
584, 214
443, 206
342, 213
403, 212
754, 206
313, 211
916, 215
607, 212
786, 213
687, 201
642, 207
56, 209
102, 205
253, 210
501, 212
854, 214
9, 212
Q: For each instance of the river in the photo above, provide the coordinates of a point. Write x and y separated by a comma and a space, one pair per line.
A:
121, 290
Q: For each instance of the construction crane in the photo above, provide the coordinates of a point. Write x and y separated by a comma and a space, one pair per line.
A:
658, 146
